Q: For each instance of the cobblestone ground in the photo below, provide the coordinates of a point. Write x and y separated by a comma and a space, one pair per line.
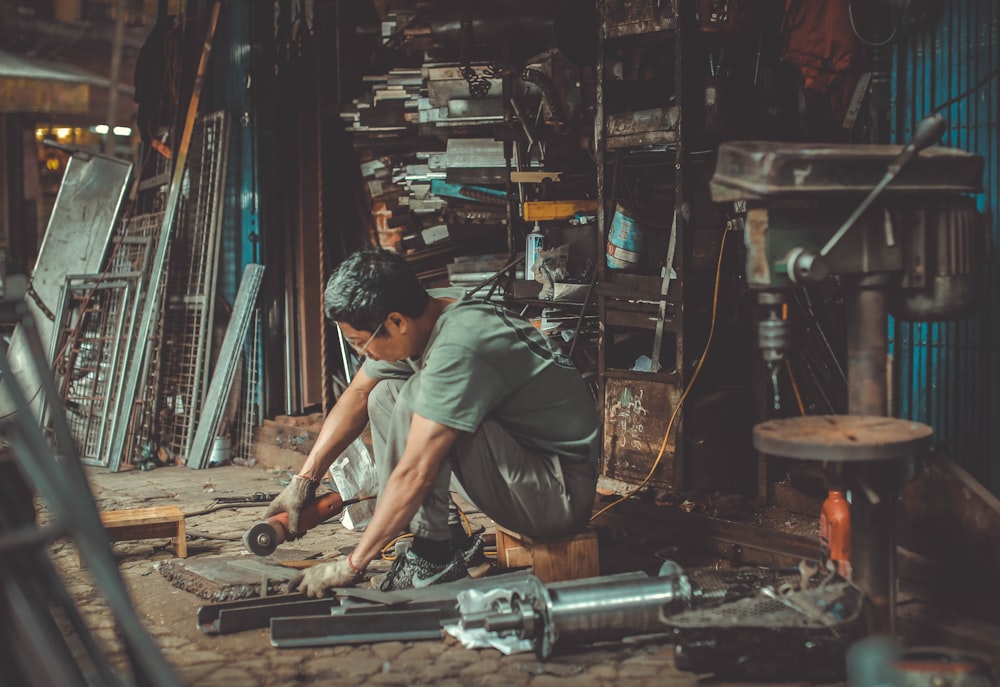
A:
247, 658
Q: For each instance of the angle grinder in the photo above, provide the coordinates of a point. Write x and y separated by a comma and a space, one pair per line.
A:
263, 538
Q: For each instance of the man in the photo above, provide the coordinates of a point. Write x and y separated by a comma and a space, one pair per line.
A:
458, 393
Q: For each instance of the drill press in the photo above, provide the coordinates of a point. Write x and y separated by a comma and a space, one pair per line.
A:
899, 230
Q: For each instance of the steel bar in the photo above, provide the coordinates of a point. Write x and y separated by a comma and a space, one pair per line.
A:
661, 315
356, 628
251, 614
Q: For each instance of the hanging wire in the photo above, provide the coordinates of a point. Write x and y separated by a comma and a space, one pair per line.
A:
687, 389
869, 43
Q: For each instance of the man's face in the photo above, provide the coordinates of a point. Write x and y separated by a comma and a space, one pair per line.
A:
385, 343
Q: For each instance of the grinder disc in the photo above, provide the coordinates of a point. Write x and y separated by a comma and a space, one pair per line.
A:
261, 539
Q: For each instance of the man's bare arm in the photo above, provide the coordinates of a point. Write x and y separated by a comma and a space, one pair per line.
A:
345, 422
426, 448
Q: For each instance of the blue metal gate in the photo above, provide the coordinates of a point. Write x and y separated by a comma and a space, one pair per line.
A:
944, 375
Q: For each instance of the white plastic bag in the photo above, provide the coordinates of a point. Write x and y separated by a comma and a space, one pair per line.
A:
353, 473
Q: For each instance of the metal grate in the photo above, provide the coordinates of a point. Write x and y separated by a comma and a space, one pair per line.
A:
90, 320
131, 252
181, 358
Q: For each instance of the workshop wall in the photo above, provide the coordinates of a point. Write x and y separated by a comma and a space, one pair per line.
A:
948, 63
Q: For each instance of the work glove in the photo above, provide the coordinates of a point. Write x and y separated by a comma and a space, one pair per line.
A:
318, 579
292, 500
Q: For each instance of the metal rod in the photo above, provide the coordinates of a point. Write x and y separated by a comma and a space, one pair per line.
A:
867, 343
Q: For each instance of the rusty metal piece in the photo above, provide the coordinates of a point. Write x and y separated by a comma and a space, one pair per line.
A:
842, 438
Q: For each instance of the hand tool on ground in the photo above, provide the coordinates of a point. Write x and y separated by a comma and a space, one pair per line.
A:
263, 538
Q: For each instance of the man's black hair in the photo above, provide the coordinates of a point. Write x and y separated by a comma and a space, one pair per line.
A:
369, 285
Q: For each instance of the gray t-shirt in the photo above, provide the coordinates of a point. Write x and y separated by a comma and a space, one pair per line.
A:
483, 362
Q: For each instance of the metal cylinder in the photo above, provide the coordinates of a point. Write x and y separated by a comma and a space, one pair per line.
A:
875, 488
581, 614
867, 344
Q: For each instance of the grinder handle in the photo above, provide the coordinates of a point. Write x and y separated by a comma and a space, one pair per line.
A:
316, 511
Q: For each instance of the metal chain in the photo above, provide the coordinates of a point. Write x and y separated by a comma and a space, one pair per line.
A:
41, 305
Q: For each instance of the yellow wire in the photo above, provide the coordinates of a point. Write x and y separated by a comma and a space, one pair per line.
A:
680, 401
795, 387
388, 551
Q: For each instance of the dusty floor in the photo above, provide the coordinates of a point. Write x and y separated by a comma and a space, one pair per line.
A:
247, 658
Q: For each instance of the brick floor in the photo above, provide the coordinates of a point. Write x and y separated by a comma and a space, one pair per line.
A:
247, 658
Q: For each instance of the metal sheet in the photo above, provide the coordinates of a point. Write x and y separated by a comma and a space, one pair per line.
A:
635, 419
76, 241
222, 376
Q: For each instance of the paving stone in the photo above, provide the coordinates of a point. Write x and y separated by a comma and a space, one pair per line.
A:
485, 664
327, 666
388, 651
391, 678
230, 677
554, 681
602, 671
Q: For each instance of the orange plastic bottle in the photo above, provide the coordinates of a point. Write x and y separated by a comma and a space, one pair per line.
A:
835, 532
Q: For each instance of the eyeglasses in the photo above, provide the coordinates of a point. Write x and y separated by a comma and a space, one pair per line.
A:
361, 351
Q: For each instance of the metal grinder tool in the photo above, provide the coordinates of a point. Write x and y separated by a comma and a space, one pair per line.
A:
263, 538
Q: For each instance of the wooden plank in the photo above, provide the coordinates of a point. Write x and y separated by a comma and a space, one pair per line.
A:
141, 516
277, 458
568, 558
735, 540
293, 438
544, 210
952, 520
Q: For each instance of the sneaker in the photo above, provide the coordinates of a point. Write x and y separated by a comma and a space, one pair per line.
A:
410, 571
473, 557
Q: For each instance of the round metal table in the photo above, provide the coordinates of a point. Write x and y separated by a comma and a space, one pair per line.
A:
873, 456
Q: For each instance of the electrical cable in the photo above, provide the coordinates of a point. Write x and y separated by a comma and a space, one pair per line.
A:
871, 44
389, 550
979, 84
687, 389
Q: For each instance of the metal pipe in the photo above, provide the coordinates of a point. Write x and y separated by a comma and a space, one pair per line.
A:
867, 343
874, 491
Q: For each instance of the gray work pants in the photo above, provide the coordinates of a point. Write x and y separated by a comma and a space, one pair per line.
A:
535, 494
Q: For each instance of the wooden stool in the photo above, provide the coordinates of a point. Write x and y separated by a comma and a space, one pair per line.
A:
570, 558
146, 523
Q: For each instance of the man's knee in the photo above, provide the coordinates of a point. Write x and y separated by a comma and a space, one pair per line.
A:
383, 398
